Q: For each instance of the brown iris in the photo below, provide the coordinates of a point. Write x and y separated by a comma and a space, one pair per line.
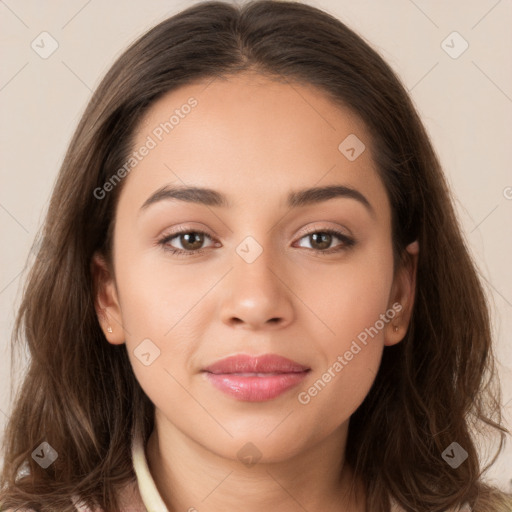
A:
323, 240
192, 241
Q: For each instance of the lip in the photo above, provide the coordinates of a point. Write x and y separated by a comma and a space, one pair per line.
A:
255, 378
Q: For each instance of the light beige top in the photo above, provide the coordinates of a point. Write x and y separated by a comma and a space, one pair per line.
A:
152, 499
141, 494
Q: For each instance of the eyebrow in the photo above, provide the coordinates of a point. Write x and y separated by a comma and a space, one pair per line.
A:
296, 198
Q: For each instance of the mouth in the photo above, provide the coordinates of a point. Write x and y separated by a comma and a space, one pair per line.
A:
255, 378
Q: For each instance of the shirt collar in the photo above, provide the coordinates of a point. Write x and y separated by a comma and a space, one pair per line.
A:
150, 495
147, 487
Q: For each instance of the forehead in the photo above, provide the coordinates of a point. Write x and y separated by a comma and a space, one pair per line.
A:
252, 137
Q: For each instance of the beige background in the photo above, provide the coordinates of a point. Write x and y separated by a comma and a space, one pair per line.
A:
465, 102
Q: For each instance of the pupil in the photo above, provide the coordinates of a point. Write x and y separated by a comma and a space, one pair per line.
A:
195, 240
322, 239
192, 240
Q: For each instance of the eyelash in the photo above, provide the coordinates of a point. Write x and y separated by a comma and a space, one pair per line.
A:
347, 242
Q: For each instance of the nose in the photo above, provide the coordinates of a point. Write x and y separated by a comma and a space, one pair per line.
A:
255, 295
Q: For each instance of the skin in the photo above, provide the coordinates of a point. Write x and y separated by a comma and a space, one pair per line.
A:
254, 140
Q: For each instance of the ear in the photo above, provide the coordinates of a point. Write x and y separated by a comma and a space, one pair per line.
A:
402, 296
106, 301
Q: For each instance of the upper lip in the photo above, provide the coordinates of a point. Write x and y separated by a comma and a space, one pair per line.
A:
265, 363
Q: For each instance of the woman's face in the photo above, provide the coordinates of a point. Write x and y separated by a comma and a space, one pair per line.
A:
267, 266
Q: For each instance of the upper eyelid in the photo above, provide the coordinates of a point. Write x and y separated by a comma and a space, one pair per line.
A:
314, 229
177, 233
317, 229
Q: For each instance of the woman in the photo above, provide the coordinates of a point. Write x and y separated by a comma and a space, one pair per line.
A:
252, 289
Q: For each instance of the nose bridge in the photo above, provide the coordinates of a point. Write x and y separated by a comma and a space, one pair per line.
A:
256, 295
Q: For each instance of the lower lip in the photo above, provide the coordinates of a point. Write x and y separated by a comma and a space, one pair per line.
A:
253, 388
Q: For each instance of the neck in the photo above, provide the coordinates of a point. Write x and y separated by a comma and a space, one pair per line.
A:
193, 478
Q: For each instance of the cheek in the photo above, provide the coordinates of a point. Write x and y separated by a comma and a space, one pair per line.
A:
336, 392
156, 295
353, 297
350, 362
356, 310
162, 329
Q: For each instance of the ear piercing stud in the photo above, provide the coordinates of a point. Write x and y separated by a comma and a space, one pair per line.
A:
395, 328
109, 329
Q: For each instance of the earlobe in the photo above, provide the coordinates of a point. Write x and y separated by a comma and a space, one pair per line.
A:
106, 301
402, 296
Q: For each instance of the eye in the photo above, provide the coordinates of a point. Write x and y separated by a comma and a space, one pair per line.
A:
190, 242
321, 241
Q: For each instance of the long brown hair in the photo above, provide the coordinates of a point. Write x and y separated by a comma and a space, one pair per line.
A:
80, 394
